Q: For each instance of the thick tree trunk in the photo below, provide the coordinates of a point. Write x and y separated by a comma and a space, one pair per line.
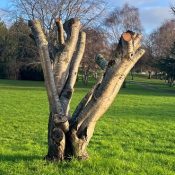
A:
69, 136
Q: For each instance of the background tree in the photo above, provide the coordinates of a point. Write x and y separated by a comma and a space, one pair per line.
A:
69, 136
147, 63
23, 49
17, 49
162, 39
123, 19
92, 48
3, 49
48, 10
159, 46
167, 66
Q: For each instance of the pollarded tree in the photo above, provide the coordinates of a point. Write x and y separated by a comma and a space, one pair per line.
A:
69, 135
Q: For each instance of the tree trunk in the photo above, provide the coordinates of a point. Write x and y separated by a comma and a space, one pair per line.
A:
149, 74
124, 84
86, 76
132, 74
69, 136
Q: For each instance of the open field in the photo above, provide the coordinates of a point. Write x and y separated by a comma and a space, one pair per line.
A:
136, 136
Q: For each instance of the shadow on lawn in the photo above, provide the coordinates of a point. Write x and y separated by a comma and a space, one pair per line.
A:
19, 157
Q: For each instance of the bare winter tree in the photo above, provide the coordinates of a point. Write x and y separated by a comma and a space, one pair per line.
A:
89, 11
69, 135
166, 32
123, 19
92, 48
47, 10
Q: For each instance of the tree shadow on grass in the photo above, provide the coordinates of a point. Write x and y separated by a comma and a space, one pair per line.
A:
19, 157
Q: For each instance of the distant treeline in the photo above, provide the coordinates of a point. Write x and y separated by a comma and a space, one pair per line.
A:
18, 53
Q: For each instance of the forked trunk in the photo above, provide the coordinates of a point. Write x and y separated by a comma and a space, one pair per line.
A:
69, 136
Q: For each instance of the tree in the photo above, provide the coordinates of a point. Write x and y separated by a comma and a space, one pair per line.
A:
48, 10
123, 19
89, 11
159, 45
92, 48
16, 48
167, 66
20, 48
3, 49
166, 32
69, 136
147, 63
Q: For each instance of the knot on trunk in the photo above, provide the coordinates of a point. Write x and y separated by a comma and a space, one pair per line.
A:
61, 121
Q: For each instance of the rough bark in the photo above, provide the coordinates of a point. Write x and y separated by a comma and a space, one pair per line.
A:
62, 61
60, 31
42, 44
67, 136
67, 92
101, 99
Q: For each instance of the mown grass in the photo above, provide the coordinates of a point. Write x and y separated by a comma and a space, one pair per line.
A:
135, 136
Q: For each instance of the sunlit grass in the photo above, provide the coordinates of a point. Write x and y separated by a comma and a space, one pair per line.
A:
135, 136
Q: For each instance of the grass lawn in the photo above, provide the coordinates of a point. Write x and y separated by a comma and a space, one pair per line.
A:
136, 136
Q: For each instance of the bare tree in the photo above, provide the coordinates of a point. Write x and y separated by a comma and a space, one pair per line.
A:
69, 136
92, 48
158, 45
48, 10
162, 39
123, 19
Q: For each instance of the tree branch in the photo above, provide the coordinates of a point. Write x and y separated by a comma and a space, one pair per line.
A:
101, 61
103, 95
60, 31
108, 89
62, 61
67, 92
54, 103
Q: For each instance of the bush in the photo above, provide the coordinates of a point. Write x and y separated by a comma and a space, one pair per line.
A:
31, 72
3, 71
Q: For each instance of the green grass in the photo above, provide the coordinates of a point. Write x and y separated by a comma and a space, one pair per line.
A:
136, 135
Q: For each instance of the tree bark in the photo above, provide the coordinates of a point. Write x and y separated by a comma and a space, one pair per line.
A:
67, 92
69, 136
62, 61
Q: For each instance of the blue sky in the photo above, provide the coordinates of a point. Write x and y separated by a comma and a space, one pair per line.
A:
4, 3
152, 12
